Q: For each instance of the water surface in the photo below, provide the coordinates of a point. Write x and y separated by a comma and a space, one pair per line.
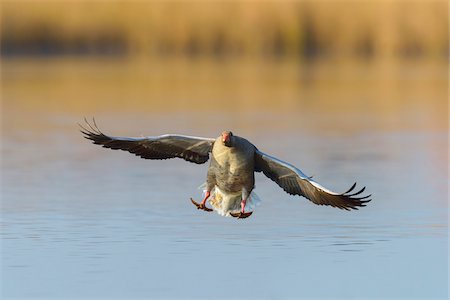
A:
79, 221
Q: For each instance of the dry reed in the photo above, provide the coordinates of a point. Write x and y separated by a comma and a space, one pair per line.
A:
306, 28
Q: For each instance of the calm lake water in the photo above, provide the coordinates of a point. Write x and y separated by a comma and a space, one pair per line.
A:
79, 221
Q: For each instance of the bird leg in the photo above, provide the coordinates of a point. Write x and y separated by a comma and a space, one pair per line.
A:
207, 194
243, 202
242, 214
202, 205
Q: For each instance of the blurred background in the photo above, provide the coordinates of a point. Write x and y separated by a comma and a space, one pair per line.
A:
96, 57
345, 90
201, 55
304, 29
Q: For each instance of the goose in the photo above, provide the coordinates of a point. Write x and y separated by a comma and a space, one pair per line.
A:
230, 178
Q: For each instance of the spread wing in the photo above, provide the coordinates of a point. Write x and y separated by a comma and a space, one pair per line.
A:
192, 149
295, 182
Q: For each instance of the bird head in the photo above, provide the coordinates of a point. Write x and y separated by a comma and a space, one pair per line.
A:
227, 138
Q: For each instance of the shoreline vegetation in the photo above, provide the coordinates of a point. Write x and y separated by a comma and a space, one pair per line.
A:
305, 29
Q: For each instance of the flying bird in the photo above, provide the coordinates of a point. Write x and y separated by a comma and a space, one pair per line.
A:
230, 178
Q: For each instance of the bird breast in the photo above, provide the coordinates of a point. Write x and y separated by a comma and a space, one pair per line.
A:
235, 159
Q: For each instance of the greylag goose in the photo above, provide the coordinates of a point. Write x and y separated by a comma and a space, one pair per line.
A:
231, 174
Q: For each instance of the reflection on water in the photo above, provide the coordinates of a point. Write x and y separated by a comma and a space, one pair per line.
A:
81, 221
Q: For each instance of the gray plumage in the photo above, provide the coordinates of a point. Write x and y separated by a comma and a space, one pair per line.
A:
232, 167
192, 149
233, 164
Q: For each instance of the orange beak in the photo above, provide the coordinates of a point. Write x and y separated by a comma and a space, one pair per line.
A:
225, 138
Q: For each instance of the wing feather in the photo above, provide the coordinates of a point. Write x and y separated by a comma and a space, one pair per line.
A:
189, 148
295, 182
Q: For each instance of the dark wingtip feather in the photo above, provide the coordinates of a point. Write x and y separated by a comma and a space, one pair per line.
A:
83, 129
95, 130
92, 132
353, 203
350, 189
358, 192
361, 198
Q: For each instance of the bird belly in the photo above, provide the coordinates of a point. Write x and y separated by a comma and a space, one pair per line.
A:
234, 182
234, 174
225, 203
232, 169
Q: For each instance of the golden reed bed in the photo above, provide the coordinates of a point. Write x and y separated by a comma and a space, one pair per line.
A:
306, 28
